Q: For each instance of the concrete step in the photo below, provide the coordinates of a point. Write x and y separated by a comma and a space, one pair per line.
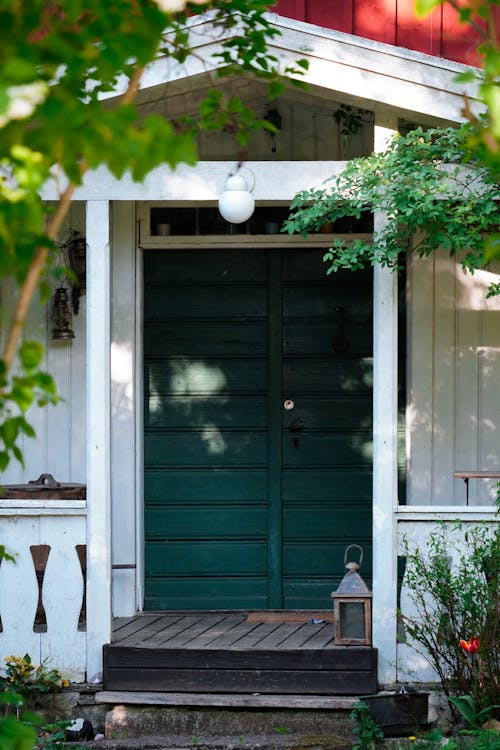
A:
228, 742
278, 720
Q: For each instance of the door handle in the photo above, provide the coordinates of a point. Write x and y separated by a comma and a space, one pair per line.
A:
297, 425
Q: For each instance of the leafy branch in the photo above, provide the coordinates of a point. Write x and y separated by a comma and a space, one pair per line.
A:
434, 193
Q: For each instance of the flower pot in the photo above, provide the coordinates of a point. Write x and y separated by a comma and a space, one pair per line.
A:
399, 714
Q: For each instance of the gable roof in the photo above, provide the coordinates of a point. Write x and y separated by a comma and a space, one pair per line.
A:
358, 71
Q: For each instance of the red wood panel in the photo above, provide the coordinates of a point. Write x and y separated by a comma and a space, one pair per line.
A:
422, 34
459, 41
375, 19
392, 22
334, 15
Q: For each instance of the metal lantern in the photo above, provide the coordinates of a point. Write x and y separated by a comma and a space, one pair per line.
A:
61, 315
77, 252
352, 605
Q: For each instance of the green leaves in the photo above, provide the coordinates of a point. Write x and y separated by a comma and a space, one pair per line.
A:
435, 194
15, 735
451, 602
18, 393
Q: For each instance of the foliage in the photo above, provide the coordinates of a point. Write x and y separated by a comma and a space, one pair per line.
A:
15, 735
367, 731
453, 599
60, 64
471, 717
30, 681
481, 14
18, 393
482, 740
50, 735
433, 193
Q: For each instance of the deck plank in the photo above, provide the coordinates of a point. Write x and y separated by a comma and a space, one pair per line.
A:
170, 630
262, 630
134, 626
324, 638
147, 636
280, 634
231, 638
183, 638
310, 636
205, 639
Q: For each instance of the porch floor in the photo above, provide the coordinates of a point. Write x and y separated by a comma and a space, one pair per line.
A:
269, 652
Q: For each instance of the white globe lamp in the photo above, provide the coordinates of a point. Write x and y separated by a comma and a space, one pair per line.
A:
236, 203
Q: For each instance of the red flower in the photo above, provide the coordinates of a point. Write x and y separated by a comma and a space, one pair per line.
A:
470, 646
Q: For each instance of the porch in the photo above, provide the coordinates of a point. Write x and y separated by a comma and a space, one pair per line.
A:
270, 652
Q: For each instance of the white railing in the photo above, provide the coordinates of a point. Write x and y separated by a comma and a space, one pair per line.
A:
42, 594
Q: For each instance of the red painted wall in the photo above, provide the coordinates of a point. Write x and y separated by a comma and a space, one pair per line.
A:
392, 22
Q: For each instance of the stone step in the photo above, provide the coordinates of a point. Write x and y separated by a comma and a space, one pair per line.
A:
228, 742
277, 719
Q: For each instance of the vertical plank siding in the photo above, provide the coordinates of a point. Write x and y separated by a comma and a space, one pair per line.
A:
453, 401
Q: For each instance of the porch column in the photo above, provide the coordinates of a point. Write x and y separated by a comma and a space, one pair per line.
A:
98, 434
385, 415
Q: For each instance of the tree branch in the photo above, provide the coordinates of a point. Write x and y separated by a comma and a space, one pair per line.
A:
40, 257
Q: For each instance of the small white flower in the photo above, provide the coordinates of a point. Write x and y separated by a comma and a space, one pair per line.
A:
23, 100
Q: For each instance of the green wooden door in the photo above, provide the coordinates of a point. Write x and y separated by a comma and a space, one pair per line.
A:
257, 446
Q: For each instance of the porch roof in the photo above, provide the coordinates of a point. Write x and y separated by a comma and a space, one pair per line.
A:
368, 74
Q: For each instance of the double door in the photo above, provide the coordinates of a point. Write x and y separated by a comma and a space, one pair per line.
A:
258, 427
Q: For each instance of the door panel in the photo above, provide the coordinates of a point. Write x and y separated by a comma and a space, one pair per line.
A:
327, 373
248, 505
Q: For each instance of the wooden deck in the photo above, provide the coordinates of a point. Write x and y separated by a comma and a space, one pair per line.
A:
236, 652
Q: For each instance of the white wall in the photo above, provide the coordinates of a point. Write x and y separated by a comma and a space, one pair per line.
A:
61, 430
453, 414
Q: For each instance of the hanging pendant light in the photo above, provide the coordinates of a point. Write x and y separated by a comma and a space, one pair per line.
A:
61, 315
236, 203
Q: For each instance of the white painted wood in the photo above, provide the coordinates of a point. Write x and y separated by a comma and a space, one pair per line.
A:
453, 406
275, 181
139, 432
420, 393
352, 67
385, 418
123, 404
42, 507
19, 589
98, 430
63, 644
60, 445
444, 401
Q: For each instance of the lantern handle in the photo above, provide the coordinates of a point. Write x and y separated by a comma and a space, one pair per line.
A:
239, 167
360, 553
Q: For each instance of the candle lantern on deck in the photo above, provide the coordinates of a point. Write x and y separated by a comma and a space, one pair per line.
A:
352, 605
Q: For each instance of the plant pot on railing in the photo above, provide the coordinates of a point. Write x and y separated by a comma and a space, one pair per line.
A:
401, 713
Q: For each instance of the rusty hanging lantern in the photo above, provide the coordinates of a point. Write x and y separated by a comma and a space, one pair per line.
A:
77, 252
352, 606
61, 315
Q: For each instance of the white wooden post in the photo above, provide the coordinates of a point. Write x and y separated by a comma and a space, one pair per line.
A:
98, 435
385, 415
